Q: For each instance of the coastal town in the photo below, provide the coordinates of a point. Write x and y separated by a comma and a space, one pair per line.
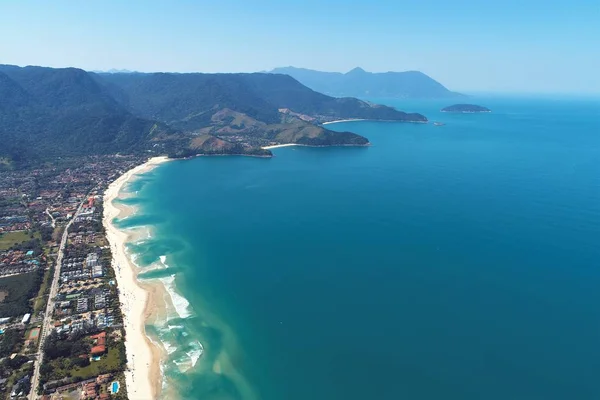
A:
62, 334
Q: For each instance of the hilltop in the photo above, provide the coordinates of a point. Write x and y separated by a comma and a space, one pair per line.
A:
360, 83
47, 112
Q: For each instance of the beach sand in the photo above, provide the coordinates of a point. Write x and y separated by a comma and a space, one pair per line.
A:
343, 120
139, 302
275, 146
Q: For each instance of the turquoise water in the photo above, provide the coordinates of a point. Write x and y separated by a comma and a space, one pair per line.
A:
450, 262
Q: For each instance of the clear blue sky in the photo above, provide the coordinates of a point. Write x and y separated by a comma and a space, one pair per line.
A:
508, 45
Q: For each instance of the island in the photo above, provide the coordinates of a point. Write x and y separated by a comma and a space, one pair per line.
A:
466, 108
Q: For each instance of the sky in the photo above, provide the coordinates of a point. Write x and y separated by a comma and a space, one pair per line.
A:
529, 46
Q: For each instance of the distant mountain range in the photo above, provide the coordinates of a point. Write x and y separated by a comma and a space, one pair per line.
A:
360, 83
47, 112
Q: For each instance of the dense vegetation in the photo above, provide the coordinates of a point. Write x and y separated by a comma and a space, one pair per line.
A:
47, 113
359, 83
19, 289
68, 361
188, 101
60, 112
77, 345
9, 341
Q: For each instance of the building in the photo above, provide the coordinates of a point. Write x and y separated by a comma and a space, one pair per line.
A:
97, 271
26, 318
100, 300
92, 260
99, 345
82, 305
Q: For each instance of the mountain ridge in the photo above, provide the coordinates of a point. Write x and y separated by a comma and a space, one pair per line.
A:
360, 83
52, 112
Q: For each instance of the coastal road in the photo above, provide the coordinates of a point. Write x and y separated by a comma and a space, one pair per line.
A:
47, 324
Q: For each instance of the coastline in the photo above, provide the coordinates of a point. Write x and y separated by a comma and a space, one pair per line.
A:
343, 120
374, 120
276, 146
138, 302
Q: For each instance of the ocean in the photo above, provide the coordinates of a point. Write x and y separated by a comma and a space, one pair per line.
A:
442, 262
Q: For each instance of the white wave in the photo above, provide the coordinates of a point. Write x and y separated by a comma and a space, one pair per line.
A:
188, 360
182, 306
195, 353
133, 257
163, 260
162, 376
169, 347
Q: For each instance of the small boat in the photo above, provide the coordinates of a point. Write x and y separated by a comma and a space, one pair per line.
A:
439, 124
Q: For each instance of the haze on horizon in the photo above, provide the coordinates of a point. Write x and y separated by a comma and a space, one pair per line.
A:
510, 46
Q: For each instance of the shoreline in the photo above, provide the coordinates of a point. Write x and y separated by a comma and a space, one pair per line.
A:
343, 120
275, 146
138, 301
374, 120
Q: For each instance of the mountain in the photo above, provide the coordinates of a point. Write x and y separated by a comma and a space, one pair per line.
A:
47, 112
360, 83
187, 101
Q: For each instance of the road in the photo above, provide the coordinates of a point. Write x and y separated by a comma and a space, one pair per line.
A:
47, 324
51, 217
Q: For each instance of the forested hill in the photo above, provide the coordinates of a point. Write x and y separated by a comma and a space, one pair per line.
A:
47, 112
360, 83
189, 100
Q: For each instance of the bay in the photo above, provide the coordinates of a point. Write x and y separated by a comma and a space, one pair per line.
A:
456, 262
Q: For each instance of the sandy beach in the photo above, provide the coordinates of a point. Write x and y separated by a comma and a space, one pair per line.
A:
143, 376
276, 146
342, 120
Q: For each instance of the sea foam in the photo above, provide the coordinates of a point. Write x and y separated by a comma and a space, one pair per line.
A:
189, 359
195, 353
163, 260
182, 306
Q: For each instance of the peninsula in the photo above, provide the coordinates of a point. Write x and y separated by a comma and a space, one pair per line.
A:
466, 108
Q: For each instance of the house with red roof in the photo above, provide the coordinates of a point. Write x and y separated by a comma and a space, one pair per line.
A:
99, 347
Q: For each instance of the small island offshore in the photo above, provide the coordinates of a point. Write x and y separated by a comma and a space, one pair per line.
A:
466, 108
